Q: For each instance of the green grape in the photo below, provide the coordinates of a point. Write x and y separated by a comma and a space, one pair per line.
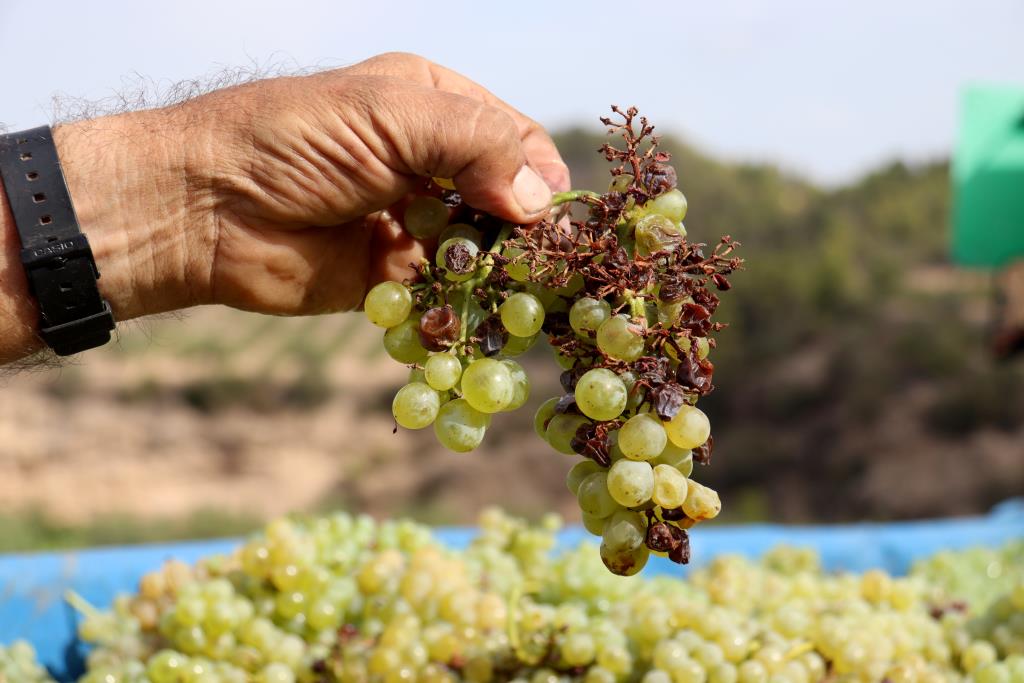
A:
689, 428
594, 525
520, 384
701, 502
388, 304
654, 233
690, 671
426, 217
516, 346
518, 271
680, 458
572, 286
614, 452
459, 426
624, 562
546, 295
522, 314
669, 312
442, 371
565, 362
323, 614
991, 673
544, 413
642, 437
578, 649
708, 655
620, 183
593, 496
620, 339
635, 395
752, 671
561, 430
600, 394
624, 530
631, 482
656, 676
276, 673
462, 230
457, 270
599, 674
670, 487
977, 654
703, 347
190, 610
166, 666
671, 205
587, 314
579, 472
487, 385
402, 342
668, 654
415, 406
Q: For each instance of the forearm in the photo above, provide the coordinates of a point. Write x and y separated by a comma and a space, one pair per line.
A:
127, 181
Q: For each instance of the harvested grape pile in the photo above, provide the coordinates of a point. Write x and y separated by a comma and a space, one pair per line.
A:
343, 599
625, 302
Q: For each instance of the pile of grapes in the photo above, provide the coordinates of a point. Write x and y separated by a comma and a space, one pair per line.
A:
624, 301
342, 599
18, 665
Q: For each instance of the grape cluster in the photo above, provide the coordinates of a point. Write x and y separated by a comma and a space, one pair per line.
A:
625, 302
342, 599
18, 665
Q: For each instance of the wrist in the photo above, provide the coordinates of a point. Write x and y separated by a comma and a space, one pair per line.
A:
19, 315
128, 179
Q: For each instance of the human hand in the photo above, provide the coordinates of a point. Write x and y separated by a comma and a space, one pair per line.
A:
272, 196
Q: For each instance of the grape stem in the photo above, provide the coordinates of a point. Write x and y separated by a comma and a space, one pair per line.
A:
583, 196
80, 604
637, 308
464, 314
499, 241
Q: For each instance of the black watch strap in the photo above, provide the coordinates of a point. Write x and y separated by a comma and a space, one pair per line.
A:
58, 261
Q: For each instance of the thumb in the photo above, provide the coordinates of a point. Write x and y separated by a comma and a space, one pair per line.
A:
445, 135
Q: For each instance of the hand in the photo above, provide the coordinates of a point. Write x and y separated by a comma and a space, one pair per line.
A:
271, 196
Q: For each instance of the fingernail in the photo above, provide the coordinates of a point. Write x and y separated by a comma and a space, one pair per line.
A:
530, 190
556, 175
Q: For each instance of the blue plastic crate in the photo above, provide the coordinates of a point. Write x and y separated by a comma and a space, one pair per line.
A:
32, 585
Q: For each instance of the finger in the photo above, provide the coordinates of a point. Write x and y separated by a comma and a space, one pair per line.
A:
541, 152
392, 250
416, 130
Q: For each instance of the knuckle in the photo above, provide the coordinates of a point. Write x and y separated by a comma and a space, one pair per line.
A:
397, 57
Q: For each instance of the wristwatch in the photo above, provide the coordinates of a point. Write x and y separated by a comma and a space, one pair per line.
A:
62, 274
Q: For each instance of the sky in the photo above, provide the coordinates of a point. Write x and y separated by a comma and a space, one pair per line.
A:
828, 89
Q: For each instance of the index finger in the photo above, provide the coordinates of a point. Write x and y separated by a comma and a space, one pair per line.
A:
540, 149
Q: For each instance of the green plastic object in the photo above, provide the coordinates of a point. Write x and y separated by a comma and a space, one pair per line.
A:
988, 177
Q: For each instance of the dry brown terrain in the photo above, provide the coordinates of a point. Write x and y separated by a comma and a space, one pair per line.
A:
201, 413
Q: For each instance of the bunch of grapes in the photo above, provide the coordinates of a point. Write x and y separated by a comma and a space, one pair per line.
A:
342, 599
18, 665
625, 302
